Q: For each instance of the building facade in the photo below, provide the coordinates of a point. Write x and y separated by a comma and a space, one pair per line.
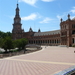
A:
64, 36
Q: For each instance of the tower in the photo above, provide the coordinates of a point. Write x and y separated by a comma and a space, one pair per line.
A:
67, 32
17, 31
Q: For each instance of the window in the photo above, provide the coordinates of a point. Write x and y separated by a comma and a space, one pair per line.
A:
73, 25
65, 26
72, 40
73, 32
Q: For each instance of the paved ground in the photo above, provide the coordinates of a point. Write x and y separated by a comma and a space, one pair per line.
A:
48, 61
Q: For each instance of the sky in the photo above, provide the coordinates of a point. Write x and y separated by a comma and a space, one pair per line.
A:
37, 14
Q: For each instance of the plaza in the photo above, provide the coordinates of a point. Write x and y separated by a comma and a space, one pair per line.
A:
48, 61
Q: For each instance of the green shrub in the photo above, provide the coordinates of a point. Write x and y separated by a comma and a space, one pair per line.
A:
73, 45
14, 50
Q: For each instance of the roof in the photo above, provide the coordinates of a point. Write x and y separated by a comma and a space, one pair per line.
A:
73, 19
47, 33
30, 30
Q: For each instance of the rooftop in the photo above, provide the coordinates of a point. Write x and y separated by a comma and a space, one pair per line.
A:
47, 33
73, 19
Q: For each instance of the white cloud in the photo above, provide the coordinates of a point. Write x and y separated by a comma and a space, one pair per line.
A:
32, 16
73, 10
46, 20
47, 0
59, 17
62, 16
31, 2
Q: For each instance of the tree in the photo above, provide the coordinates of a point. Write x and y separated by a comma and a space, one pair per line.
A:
8, 34
24, 42
1, 42
7, 44
20, 43
3, 34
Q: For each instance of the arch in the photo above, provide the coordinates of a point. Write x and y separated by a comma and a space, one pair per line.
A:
55, 41
73, 32
72, 40
48, 41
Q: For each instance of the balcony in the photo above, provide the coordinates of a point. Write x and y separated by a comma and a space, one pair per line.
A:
63, 36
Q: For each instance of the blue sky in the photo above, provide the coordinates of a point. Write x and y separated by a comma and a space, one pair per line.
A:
43, 14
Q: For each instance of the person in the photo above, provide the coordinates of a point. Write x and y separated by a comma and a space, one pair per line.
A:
24, 50
67, 47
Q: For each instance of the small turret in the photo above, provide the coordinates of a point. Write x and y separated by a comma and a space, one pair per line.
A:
39, 30
68, 16
61, 19
30, 30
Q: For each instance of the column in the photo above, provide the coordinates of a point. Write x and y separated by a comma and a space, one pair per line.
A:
74, 40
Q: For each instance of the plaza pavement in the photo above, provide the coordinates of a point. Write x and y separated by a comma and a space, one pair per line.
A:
48, 61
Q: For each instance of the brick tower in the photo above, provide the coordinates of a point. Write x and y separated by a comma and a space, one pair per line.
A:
17, 31
67, 32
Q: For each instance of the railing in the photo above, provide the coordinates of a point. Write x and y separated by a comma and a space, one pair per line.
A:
63, 36
69, 71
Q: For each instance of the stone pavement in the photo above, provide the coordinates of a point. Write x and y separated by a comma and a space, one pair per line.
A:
48, 61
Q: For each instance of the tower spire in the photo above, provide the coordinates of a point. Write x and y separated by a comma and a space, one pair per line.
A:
17, 18
17, 10
17, 3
